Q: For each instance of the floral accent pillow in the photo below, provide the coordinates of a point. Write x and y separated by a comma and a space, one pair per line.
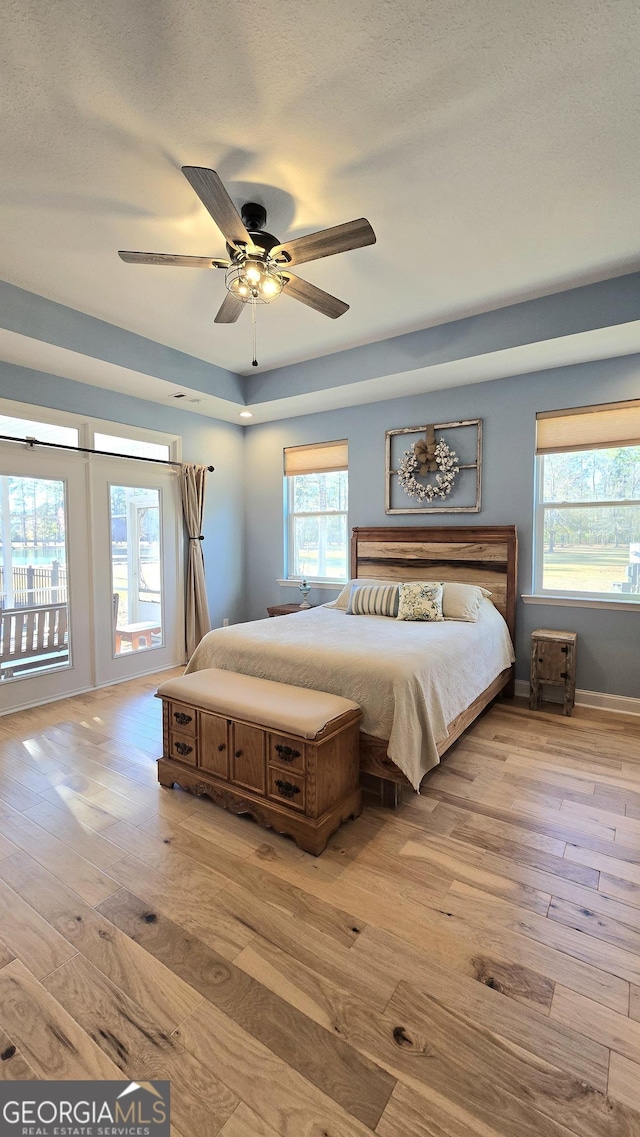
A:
420, 601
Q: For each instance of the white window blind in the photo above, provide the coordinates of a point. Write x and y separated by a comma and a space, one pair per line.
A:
319, 458
589, 428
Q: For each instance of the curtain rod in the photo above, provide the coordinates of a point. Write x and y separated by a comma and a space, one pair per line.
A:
31, 442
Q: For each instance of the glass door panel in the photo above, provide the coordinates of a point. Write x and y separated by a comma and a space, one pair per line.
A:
34, 603
138, 544
44, 578
136, 567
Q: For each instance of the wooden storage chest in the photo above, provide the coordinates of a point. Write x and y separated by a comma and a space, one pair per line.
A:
286, 755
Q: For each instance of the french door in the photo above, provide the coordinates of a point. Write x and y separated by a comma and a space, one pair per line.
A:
90, 573
137, 542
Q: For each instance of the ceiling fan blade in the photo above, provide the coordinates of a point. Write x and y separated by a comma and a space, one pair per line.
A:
326, 242
314, 297
171, 259
215, 198
229, 310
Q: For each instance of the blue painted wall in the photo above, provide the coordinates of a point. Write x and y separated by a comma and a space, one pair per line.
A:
243, 562
204, 440
609, 643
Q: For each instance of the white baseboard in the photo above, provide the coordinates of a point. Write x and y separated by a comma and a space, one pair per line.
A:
618, 704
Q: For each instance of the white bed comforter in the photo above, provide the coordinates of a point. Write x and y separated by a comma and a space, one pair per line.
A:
411, 679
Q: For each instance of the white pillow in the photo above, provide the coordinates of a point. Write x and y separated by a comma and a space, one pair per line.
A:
420, 600
462, 601
342, 601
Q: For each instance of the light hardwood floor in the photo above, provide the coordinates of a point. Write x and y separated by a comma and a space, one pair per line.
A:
466, 967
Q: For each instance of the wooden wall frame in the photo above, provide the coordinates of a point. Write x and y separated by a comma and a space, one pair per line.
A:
391, 473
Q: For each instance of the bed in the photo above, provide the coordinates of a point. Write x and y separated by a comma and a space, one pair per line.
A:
420, 685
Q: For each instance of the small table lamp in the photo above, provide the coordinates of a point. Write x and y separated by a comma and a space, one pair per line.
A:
305, 590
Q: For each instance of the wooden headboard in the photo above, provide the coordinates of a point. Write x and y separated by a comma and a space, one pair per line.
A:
473, 554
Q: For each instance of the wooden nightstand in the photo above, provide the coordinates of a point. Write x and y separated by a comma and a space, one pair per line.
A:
284, 609
553, 661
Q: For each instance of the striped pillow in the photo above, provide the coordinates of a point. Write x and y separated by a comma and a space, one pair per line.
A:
373, 600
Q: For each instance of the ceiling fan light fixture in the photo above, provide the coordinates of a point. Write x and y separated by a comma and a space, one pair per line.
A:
257, 270
271, 286
254, 279
253, 272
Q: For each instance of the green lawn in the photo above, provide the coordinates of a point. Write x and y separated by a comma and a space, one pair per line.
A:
586, 568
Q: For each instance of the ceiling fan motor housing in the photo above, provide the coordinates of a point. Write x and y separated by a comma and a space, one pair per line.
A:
254, 218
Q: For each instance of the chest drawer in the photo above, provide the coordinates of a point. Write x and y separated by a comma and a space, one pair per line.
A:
182, 747
182, 718
287, 788
285, 752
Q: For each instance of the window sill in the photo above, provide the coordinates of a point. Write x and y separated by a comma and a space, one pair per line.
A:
335, 585
583, 602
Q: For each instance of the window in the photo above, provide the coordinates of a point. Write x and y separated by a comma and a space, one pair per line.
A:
587, 533
43, 431
134, 447
67, 429
316, 493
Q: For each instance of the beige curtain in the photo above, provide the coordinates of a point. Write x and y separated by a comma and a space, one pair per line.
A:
197, 623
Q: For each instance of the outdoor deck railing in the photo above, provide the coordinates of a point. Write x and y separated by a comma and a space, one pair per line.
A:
35, 585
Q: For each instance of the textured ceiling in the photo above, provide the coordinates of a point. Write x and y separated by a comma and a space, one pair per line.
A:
492, 145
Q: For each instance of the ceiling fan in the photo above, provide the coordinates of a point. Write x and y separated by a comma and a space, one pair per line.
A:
257, 270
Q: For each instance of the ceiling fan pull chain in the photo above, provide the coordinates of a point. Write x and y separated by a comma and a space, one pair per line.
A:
254, 361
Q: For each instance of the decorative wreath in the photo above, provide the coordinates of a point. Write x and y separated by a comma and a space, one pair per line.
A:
446, 461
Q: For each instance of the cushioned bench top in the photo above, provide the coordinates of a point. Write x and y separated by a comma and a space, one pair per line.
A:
277, 706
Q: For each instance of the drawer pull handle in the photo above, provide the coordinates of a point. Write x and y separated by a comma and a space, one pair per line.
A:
222, 746
286, 789
565, 649
181, 718
238, 754
287, 753
182, 748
